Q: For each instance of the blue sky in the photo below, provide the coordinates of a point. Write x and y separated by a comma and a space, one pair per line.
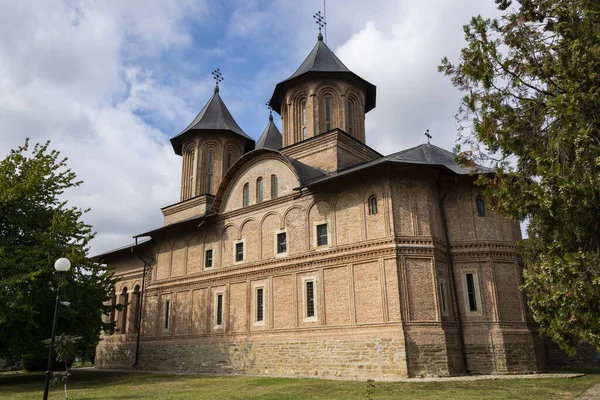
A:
109, 82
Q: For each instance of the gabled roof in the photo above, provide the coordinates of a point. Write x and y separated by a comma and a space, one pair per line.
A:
214, 116
425, 155
322, 60
271, 137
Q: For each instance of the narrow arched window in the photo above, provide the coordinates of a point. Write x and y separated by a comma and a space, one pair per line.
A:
229, 160
274, 186
246, 195
372, 205
480, 207
259, 190
349, 117
303, 118
136, 301
125, 303
327, 113
209, 171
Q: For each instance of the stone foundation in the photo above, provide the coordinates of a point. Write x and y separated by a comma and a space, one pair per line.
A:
350, 358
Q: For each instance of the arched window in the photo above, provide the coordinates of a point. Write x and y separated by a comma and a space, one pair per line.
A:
229, 160
303, 118
136, 301
124, 302
349, 117
372, 205
259, 190
274, 186
327, 101
480, 206
113, 303
209, 170
246, 195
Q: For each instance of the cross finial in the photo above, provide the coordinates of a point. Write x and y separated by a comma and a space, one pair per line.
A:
270, 111
218, 77
429, 137
321, 22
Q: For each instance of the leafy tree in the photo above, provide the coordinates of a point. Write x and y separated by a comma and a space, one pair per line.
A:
532, 111
36, 228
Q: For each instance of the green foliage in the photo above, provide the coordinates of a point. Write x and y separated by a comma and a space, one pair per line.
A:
531, 110
36, 228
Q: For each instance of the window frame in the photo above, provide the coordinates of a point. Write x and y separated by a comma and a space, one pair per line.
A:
305, 281
256, 304
316, 233
217, 315
327, 106
372, 210
442, 294
235, 251
246, 194
276, 250
259, 190
206, 259
481, 211
274, 186
476, 293
167, 314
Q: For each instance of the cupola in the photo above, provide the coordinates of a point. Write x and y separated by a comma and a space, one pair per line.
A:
209, 146
322, 95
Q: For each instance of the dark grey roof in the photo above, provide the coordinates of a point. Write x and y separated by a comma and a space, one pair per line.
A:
271, 137
425, 154
322, 59
214, 116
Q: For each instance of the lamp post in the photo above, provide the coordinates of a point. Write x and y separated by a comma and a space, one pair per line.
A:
61, 265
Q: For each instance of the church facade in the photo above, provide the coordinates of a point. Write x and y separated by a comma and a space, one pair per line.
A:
309, 253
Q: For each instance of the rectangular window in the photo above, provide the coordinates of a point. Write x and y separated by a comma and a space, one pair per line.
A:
208, 259
322, 235
310, 299
281, 242
442, 294
350, 117
471, 293
239, 251
260, 309
303, 133
167, 313
219, 310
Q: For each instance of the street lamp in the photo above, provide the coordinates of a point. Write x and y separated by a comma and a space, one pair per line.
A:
61, 265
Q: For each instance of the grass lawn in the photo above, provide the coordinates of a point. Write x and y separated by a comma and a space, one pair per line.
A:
86, 384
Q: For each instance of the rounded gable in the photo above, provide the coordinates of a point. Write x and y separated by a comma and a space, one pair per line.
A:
261, 163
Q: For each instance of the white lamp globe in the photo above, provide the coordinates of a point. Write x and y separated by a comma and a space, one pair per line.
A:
62, 265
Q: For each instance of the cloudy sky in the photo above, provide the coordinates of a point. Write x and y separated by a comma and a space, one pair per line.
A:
110, 81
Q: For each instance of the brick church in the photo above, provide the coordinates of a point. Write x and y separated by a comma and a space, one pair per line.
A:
309, 253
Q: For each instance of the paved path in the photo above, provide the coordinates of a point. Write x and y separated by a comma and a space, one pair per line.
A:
592, 393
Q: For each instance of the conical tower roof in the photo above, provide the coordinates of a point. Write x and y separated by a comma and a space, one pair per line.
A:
214, 116
322, 60
271, 137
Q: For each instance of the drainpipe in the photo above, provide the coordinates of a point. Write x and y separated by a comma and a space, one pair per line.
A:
140, 309
461, 334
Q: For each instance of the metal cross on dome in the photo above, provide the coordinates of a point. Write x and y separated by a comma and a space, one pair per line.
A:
269, 107
320, 20
217, 76
429, 137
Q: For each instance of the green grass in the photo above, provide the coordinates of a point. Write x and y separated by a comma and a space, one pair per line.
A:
86, 384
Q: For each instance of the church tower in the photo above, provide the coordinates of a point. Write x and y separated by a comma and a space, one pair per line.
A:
322, 95
209, 146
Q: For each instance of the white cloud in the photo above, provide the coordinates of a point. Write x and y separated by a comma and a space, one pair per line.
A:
67, 75
94, 77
